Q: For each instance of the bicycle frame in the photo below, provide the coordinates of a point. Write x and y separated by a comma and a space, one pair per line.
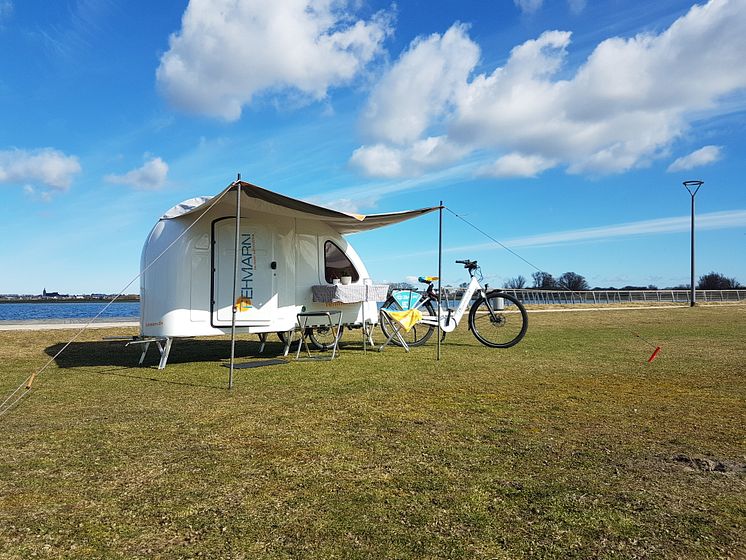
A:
448, 318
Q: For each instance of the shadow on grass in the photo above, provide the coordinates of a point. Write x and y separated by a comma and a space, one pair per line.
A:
115, 353
118, 360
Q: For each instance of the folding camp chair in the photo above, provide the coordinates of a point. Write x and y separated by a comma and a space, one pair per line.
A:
398, 321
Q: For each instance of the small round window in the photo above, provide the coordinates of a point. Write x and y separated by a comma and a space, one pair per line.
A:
336, 264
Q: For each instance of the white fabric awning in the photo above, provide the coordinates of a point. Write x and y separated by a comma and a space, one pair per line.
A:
263, 200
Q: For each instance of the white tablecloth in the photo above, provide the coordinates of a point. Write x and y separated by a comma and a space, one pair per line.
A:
350, 293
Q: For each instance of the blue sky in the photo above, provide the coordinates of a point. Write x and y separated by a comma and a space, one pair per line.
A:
564, 129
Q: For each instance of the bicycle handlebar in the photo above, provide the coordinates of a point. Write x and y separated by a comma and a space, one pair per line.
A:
468, 264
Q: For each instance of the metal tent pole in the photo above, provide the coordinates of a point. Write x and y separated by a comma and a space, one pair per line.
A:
440, 268
235, 278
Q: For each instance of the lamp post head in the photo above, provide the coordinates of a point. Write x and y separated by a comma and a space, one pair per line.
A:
693, 186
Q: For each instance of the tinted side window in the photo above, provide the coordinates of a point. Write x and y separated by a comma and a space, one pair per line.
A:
336, 264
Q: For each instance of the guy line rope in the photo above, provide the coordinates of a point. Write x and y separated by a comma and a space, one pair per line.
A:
23, 389
657, 348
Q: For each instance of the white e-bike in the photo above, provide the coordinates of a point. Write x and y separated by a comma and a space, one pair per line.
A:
497, 319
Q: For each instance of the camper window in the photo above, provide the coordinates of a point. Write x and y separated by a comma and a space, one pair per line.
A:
336, 264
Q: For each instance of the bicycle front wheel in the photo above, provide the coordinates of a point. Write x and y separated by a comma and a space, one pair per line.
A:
498, 328
419, 334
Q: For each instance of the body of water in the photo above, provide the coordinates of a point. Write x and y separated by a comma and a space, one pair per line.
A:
67, 310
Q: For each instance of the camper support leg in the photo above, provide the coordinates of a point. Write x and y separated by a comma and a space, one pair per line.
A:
165, 350
164, 347
144, 351
263, 341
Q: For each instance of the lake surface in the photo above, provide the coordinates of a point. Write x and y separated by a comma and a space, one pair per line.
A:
67, 310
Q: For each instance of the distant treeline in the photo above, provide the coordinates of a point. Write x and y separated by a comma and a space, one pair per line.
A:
576, 282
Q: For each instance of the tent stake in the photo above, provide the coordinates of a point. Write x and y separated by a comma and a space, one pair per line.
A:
440, 268
235, 275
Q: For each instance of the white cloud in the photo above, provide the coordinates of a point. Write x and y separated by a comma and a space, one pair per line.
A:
381, 160
420, 86
45, 165
621, 109
517, 165
151, 176
228, 52
378, 160
528, 6
704, 156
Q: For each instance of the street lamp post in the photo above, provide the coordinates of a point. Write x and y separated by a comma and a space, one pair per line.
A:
693, 187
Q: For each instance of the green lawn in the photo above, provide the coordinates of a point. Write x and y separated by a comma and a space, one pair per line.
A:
568, 445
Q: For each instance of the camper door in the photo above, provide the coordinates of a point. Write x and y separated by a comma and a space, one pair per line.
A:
256, 300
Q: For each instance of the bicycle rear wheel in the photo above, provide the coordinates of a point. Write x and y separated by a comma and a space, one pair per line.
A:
498, 328
323, 337
419, 334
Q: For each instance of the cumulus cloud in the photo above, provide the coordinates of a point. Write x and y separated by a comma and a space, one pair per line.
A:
621, 109
228, 52
48, 166
381, 160
704, 156
420, 86
151, 176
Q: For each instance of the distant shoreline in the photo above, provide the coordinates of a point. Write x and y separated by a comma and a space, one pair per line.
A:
107, 299
60, 324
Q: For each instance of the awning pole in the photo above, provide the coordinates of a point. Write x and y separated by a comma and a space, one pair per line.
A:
236, 258
440, 268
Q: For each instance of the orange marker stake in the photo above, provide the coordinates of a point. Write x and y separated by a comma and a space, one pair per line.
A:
654, 354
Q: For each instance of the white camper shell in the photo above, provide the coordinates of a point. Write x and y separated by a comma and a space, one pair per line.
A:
286, 247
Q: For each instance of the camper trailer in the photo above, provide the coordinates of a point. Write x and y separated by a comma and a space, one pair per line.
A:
285, 247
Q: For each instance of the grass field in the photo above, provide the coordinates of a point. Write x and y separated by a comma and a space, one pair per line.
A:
568, 445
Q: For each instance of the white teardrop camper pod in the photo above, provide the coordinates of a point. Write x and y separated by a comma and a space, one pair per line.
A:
286, 247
